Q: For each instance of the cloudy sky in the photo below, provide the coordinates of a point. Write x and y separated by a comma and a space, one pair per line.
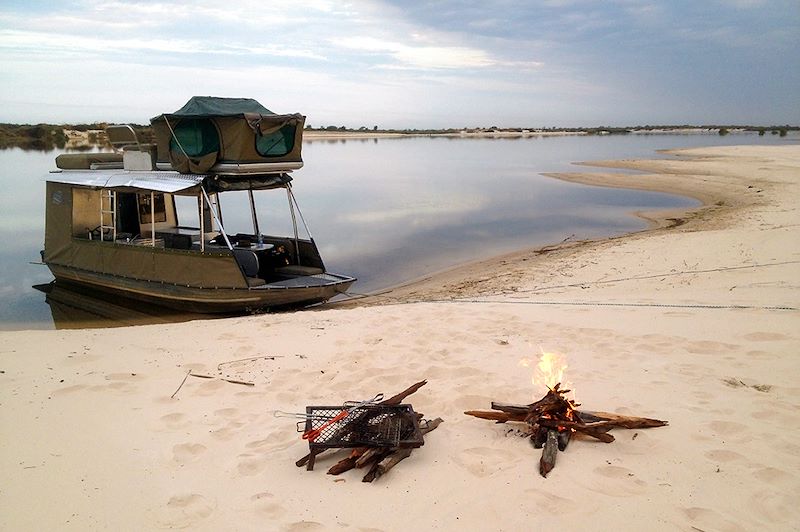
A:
407, 63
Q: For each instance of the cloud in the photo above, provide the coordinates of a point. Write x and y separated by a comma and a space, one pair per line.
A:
420, 56
403, 63
427, 57
64, 44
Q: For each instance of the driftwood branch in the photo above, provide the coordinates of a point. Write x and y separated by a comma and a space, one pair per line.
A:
181, 385
226, 379
266, 357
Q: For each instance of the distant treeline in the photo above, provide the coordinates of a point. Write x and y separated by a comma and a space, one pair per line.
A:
51, 136
606, 130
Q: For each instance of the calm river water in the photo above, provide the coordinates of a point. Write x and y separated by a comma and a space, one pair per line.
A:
388, 210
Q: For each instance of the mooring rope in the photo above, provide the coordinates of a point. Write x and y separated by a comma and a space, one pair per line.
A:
656, 276
475, 300
355, 295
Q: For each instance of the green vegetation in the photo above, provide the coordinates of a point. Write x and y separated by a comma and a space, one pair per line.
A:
51, 136
88, 136
32, 137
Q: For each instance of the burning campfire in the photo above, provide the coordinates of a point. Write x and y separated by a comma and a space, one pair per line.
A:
553, 419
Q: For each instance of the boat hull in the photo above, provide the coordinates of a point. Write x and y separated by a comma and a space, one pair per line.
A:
292, 292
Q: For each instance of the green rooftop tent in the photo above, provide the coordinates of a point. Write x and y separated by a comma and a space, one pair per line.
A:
228, 136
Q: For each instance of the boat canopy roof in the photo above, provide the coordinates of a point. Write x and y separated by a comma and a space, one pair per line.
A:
212, 106
169, 182
209, 133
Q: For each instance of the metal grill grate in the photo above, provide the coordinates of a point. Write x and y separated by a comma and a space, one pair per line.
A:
366, 426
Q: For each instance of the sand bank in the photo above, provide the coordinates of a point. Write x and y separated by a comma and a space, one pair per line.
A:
685, 322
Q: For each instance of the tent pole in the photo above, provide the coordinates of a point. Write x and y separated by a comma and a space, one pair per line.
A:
219, 207
302, 218
256, 230
214, 214
294, 225
114, 214
153, 218
202, 227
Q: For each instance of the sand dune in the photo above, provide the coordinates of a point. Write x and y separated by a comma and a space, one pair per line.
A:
694, 321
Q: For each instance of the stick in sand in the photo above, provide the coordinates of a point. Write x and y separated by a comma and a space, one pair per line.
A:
181, 386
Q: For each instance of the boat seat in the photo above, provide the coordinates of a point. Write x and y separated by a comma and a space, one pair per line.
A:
248, 261
176, 241
296, 269
255, 281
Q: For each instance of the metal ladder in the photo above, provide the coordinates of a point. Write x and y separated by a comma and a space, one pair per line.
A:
108, 212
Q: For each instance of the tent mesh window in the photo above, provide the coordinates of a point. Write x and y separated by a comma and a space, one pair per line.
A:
277, 143
197, 136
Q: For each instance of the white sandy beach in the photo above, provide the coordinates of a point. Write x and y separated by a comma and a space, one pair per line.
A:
695, 321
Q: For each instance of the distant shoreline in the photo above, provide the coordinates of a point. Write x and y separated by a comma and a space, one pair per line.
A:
88, 136
503, 133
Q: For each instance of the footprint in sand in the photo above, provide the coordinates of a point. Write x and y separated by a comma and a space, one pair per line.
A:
176, 420
551, 503
707, 519
228, 431
305, 526
726, 456
69, 389
183, 511
277, 441
727, 428
706, 347
187, 452
774, 506
765, 337
485, 461
774, 476
623, 481
209, 387
758, 354
227, 413
270, 510
250, 466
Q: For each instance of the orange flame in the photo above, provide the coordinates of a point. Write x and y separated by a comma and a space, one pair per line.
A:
548, 370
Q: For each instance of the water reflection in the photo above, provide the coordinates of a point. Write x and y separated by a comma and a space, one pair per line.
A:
81, 308
385, 210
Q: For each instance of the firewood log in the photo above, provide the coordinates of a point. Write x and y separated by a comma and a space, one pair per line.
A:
304, 460
628, 422
511, 408
597, 430
539, 436
371, 454
343, 465
563, 439
548, 460
380, 468
383, 466
500, 417
394, 400
397, 399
